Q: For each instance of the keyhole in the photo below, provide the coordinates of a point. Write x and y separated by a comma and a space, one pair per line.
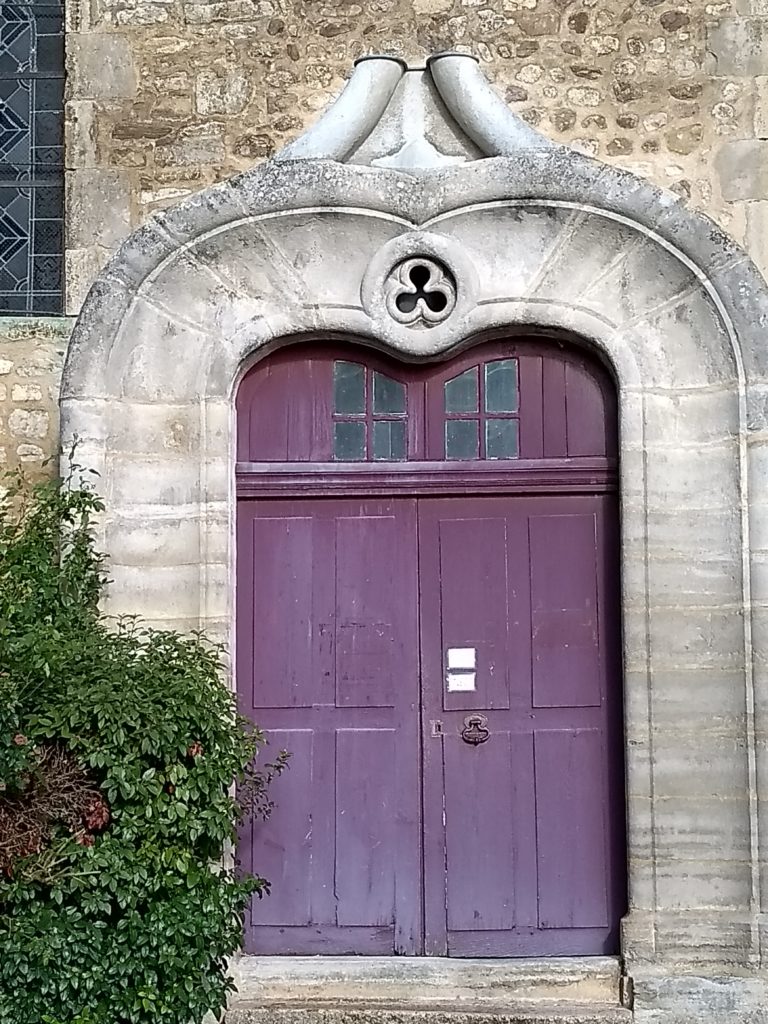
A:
406, 302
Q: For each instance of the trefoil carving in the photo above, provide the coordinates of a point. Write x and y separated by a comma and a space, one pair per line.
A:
420, 292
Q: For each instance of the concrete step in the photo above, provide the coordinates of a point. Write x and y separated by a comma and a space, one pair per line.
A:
554, 1012
413, 982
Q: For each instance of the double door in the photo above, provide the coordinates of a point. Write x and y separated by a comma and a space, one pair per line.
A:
444, 672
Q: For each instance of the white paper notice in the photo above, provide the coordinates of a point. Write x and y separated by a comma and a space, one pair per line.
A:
462, 657
461, 681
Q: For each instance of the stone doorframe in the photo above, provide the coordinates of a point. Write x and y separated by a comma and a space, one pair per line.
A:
540, 239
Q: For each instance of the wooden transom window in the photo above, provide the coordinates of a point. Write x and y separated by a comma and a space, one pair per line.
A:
369, 414
481, 412
500, 402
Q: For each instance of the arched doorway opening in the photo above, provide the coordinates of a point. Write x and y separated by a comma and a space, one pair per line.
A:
428, 618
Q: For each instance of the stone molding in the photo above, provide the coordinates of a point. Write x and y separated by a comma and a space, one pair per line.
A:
544, 240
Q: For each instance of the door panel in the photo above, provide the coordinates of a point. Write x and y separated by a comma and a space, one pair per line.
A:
370, 631
564, 634
480, 836
328, 666
287, 864
528, 821
282, 607
571, 828
366, 809
474, 614
521, 852
368, 653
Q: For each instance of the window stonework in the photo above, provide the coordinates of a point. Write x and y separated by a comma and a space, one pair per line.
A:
31, 157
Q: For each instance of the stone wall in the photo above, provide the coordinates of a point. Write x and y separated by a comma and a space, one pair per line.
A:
166, 96
31, 358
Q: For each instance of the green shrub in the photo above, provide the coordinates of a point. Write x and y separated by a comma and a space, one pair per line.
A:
119, 748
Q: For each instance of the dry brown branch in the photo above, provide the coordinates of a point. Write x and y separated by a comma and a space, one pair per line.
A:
57, 791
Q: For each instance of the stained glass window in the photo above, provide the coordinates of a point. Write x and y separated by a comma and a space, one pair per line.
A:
31, 157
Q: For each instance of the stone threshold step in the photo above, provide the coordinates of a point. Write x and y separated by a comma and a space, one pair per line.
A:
552, 1013
425, 981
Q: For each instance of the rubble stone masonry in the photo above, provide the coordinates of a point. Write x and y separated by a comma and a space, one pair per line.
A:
167, 96
31, 356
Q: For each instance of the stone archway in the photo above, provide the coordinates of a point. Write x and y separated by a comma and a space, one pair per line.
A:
533, 236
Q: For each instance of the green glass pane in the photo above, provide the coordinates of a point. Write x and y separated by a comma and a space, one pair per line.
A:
462, 439
501, 439
388, 394
349, 442
461, 392
389, 440
348, 387
501, 394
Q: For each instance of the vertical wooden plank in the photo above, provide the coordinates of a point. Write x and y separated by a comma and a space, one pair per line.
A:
270, 411
312, 408
565, 646
523, 816
322, 787
282, 674
366, 811
473, 603
368, 651
405, 771
518, 556
284, 408
281, 849
554, 415
433, 725
571, 828
244, 606
531, 407
479, 834
585, 411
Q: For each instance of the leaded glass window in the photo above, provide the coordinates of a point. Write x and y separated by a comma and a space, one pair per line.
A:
31, 157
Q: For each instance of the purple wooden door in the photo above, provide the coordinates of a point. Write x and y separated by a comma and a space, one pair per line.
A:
328, 665
449, 650
523, 830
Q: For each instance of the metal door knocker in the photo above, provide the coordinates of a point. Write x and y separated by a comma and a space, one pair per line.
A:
475, 729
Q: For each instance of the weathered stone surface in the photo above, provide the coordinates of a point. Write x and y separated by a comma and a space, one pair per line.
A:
100, 66
742, 168
739, 46
221, 94
566, 1013
196, 91
384, 982
31, 357
200, 144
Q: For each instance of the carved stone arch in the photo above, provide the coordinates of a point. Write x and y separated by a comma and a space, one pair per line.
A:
537, 237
